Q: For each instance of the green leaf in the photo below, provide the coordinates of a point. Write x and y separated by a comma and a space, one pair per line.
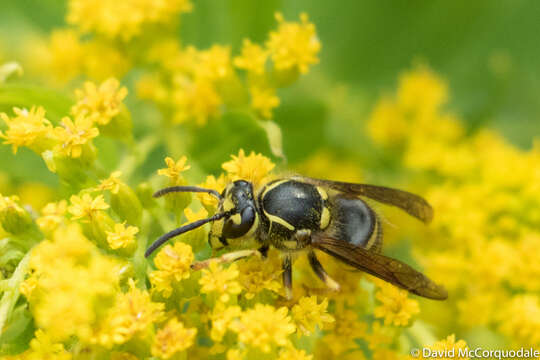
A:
55, 103
214, 143
273, 132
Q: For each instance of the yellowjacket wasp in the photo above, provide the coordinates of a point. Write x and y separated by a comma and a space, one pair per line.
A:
300, 214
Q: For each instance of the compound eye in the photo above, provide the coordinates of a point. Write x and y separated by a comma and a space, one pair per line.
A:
239, 224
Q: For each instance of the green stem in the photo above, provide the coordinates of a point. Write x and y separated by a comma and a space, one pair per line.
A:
12, 292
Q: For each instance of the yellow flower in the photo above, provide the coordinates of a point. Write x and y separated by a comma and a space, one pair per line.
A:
122, 236
396, 308
222, 319
444, 346
64, 55
256, 275
520, 319
125, 19
307, 314
294, 45
52, 216
215, 63
252, 59
133, 313
173, 263
263, 100
421, 91
174, 169
72, 135
264, 327
345, 329
27, 128
112, 183
85, 206
217, 279
43, 347
215, 184
291, 353
197, 100
72, 279
101, 103
254, 167
172, 338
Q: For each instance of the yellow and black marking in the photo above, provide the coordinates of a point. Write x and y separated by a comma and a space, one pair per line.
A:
289, 206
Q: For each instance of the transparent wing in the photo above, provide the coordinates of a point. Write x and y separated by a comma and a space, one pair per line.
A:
413, 204
388, 269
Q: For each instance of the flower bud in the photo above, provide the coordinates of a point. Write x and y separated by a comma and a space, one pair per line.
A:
126, 204
13, 217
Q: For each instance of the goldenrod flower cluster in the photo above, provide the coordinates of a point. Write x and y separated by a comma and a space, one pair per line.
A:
74, 281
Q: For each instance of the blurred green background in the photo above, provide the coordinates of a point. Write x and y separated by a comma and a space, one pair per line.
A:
488, 51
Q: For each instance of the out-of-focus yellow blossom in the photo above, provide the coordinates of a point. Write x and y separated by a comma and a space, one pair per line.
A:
294, 45
173, 263
254, 167
215, 63
521, 320
257, 275
395, 305
264, 327
73, 278
215, 184
222, 318
444, 346
64, 55
197, 100
263, 100
421, 91
101, 103
308, 314
174, 169
132, 314
252, 59
122, 236
172, 338
220, 280
86, 206
116, 355
112, 183
345, 329
72, 135
27, 128
291, 353
123, 20
52, 215
42, 347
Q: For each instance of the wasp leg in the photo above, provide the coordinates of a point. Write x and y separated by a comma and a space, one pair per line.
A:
225, 258
321, 273
287, 276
